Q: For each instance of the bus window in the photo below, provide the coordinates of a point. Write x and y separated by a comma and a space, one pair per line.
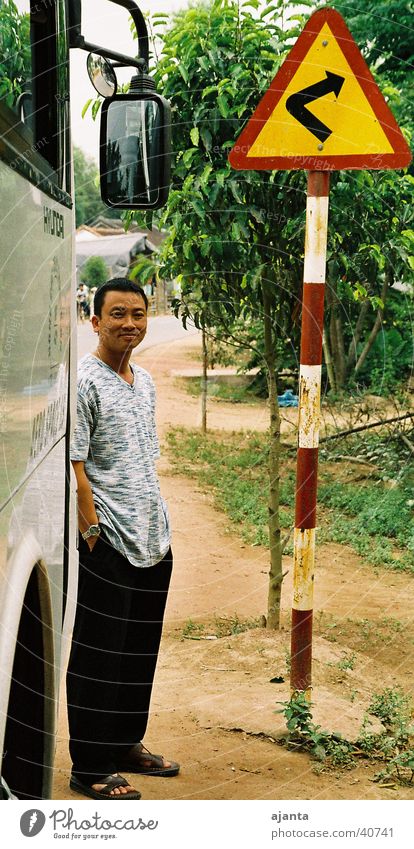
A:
45, 88
34, 83
16, 62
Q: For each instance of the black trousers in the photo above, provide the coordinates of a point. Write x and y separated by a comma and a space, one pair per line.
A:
113, 657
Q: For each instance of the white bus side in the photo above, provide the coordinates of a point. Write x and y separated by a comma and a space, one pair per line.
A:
37, 569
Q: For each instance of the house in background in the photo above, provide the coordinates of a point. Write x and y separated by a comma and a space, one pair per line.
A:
114, 226
107, 239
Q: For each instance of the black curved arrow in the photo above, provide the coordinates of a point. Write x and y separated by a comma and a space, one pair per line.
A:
297, 104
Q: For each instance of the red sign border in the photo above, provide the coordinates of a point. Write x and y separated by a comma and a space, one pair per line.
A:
401, 156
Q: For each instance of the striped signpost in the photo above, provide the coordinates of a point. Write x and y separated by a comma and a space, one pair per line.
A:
309, 411
322, 112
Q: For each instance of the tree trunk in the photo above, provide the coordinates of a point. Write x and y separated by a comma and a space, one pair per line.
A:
328, 361
336, 338
204, 383
378, 323
275, 573
352, 351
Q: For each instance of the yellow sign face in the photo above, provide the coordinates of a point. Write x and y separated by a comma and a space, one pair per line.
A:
323, 110
354, 127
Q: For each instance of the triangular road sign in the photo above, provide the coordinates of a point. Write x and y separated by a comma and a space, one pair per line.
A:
323, 111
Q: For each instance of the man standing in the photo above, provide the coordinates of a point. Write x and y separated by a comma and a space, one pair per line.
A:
124, 553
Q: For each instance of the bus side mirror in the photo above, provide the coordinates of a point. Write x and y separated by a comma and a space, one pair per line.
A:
135, 150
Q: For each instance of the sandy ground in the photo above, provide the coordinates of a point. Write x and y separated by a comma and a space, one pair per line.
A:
214, 707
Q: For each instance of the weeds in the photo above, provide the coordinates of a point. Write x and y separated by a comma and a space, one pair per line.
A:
225, 627
393, 745
362, 634
375, 521
400, 767
331, 749
222, 626
347, 661
192, 629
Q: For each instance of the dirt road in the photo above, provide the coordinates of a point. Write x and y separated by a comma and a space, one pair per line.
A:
213, 706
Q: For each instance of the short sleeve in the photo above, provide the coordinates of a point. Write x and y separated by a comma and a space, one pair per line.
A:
154, 437
79, 447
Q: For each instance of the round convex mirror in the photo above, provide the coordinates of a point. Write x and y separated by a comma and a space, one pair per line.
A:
101, 75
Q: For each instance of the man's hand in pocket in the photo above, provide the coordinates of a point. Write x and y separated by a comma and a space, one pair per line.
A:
92, 542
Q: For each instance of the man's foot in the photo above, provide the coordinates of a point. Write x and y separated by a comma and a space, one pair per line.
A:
118, 790
110, 787
139, 760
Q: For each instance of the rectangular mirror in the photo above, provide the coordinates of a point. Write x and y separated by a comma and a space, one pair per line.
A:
135, 150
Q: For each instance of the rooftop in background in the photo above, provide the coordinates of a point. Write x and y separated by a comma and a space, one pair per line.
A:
102, 226
117, 248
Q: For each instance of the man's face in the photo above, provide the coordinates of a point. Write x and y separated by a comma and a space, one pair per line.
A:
123, 322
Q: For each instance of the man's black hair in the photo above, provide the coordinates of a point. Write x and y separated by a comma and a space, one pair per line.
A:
117, 284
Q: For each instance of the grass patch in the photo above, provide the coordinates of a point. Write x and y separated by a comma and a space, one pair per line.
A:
222, 390
235, 468
365, 635
227, 626
377, 522
221, 626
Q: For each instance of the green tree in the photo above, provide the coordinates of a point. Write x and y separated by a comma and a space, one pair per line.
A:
370, 247
88, 203
233, 235
384, 30
94, 272
371, 236
371, 231
236, 238
15, 52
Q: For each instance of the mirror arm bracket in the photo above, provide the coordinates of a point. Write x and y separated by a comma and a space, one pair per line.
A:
76, 39
124, 61
140, 26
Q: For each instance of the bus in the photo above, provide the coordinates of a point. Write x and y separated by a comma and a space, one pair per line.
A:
38, 554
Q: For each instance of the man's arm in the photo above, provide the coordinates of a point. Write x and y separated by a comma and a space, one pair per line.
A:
86, 507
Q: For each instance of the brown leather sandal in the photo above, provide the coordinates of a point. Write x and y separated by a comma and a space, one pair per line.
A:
139, 760
110, 782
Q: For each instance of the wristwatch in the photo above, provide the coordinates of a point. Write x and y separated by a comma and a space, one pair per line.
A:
93, 531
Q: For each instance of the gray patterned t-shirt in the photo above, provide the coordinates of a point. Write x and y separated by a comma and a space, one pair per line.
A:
115, 437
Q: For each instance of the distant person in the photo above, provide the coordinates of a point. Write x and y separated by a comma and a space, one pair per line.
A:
91, 297
124, 553
82, 300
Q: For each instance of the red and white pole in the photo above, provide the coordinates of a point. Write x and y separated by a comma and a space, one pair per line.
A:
309, 413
